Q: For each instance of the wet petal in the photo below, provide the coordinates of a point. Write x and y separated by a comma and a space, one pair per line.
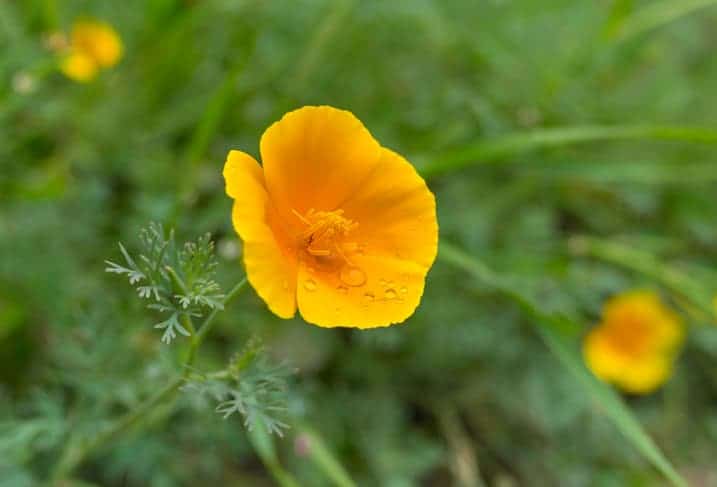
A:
315, 157
372, 292
271, 269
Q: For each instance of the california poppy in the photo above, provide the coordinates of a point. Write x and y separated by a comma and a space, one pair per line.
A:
634, 346
332, 223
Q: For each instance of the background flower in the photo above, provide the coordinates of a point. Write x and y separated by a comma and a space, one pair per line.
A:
94, 45
635, 344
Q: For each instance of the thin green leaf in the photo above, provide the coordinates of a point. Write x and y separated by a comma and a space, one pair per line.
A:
679, 283
324, 459
566, 351
263, 444
497, 148
658, 14
619, 13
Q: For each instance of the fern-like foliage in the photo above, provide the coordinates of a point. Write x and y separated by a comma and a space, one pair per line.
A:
251, 386
178, 280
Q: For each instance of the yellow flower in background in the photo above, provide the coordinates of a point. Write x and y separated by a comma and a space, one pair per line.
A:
635, 344
93, 45
332, 223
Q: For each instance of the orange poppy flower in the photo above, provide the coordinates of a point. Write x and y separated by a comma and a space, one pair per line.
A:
634, 346
332, 223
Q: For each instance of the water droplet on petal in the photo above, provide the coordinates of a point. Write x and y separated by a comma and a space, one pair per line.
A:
352, 276
390, 294
382, 282
342, 289
404, 290
368, 298
285, 285
310, 285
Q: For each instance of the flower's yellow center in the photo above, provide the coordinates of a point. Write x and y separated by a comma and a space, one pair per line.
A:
630, 336
325, 244
324, 235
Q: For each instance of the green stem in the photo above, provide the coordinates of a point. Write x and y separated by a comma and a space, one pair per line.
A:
323, 457
77, 452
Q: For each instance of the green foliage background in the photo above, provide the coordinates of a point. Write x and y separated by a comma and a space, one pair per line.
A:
465, 392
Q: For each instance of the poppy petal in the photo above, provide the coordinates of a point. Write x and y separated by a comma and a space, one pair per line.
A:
601, 357
646, 375
270, 270
396, 213
79, 67
374, 291
315, 157
99, 41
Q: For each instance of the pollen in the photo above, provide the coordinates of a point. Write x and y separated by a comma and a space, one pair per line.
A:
324, 236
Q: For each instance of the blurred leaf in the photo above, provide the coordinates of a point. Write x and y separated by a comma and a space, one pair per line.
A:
680, 283
322, 456
263, 443
497, 148
619, 12
659, 13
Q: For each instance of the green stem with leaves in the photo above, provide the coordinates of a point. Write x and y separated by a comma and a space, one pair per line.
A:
78, 451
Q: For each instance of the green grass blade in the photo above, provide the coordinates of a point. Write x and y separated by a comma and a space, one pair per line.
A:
658, 14
677, 282
263, 444
566, 350
620, 11
497, 148
324, 459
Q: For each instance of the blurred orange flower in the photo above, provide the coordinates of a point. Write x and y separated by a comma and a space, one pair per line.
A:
635, 345
332, 223
93, 45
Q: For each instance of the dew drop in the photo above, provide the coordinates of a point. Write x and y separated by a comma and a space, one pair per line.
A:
382, 282
285, 285
368, 298
404, 289
390, 294
352, 276
342, 289
310, 285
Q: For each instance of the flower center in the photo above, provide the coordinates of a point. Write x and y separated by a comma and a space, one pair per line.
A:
631, 337
324, 235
